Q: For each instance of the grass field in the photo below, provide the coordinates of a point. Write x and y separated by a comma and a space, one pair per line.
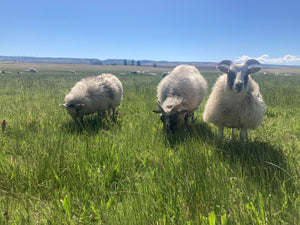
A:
54, 171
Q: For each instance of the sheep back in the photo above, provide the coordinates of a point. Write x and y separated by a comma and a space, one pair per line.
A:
96, 93
184, 83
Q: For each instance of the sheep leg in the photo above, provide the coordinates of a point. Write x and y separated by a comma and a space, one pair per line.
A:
232, 134
193, 118
243, 136
186, 119
113, 113
220, 134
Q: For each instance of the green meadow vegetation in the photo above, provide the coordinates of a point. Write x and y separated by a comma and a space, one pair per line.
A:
130, 171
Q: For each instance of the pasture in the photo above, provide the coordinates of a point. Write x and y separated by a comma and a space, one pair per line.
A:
130, 171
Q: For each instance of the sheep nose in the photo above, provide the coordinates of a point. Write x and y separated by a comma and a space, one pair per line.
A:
239, 86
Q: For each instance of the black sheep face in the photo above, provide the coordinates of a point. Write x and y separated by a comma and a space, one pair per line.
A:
75, 111
170, 121
172, 115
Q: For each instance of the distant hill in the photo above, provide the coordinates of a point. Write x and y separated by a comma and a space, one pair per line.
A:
93, 61
28, 59
202, 65
167, 64
271, 66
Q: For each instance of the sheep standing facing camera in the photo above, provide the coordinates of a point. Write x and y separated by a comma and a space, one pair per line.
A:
94, 94
235, 100
179, 94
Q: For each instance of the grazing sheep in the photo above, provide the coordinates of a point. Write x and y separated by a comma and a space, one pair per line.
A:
235, 100
5, 72
164, 74
179, 94
72, 71
94, 94
31, 70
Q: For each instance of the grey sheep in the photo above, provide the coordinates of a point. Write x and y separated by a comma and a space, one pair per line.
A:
94, 94
179, 94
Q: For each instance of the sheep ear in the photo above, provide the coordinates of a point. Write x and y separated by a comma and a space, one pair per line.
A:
64, 105
79, 106
226, 62
156, 111
254, 69
253, 65
251, 62
159, 106
224, 66
183, 112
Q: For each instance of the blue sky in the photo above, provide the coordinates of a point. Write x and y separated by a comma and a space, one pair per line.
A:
173, 30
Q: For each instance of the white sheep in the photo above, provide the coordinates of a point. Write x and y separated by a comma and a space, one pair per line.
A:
179, 94
31, 70
235, 100
94, 94
72, 71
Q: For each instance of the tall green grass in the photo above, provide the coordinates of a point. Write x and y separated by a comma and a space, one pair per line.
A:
129, 171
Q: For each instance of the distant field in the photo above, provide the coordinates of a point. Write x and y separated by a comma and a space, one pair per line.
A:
54, 171
21, 67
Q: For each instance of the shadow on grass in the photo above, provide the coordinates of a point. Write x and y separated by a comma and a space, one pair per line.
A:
263, 162
91, 125
192, 130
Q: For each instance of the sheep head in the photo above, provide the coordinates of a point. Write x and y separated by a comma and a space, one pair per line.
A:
238, 74
75, 110
171, 114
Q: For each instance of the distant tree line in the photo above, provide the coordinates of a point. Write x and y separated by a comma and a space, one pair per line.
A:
125, 62
132, 62
96, 62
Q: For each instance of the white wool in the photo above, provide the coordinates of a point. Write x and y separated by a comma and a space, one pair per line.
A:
96, 94
183, 85
228, 108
